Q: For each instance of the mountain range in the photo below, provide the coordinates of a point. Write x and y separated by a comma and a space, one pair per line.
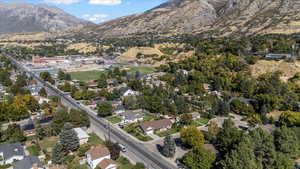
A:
16, 17
223, 17
220, 17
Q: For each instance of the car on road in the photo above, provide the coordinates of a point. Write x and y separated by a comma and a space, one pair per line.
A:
123, 148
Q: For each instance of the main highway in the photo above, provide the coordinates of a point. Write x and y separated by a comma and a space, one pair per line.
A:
140, 152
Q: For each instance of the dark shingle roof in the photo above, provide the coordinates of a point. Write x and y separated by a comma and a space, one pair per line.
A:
27, 163
10, 150
46, 119
28, 126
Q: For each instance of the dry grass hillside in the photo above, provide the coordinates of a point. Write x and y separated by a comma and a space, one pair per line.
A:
156, 55
288, 69
133, 52
82, 47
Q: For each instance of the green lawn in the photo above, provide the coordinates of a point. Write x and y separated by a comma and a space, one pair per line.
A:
124, 163
86, 75
33, 150
48, 143
132, 130
95, 140
142, 69
114, 119
201, 122
148, 117
173, 130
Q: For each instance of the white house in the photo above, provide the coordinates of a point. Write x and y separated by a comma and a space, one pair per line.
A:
107, 164
82, 135
132, 116
130, 92
41, 99
11, 152
96, 155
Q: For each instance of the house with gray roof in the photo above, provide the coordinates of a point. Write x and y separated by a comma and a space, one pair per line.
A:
11, 152
156, 125
132, 116
29, 162
82, 135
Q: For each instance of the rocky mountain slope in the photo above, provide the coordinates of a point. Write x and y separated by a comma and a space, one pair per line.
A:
222, 17
25, 17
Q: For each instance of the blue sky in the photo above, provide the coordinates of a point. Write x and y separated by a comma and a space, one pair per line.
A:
99, 10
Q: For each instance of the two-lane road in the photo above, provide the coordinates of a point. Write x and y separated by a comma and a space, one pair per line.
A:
151, 160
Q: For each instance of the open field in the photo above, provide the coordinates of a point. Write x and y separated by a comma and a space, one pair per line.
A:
86, 75
142, 69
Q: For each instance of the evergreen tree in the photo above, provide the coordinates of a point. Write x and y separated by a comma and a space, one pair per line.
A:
169, 147
43, 92
58, 153
102, 81
68, 138
286, 141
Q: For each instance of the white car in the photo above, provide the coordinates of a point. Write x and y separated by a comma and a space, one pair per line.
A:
123, 148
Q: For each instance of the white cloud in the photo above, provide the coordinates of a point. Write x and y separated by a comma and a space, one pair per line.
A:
62, 1
105, 2
96, 18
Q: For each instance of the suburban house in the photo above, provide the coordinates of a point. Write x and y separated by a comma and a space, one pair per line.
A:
11, 152
108, 164
41, 99
195, 115
132, 116
277, 56
28, 128
29, 162
92, 84
126, 91
96, 155
82, 135
158, 125
117, 106
34, 90
44, 120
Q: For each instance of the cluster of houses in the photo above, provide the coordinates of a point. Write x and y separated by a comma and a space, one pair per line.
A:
14, 154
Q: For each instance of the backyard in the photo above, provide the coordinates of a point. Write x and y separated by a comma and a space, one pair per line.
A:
135, 132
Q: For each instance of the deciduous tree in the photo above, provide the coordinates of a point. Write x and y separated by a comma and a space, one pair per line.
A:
192, 136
